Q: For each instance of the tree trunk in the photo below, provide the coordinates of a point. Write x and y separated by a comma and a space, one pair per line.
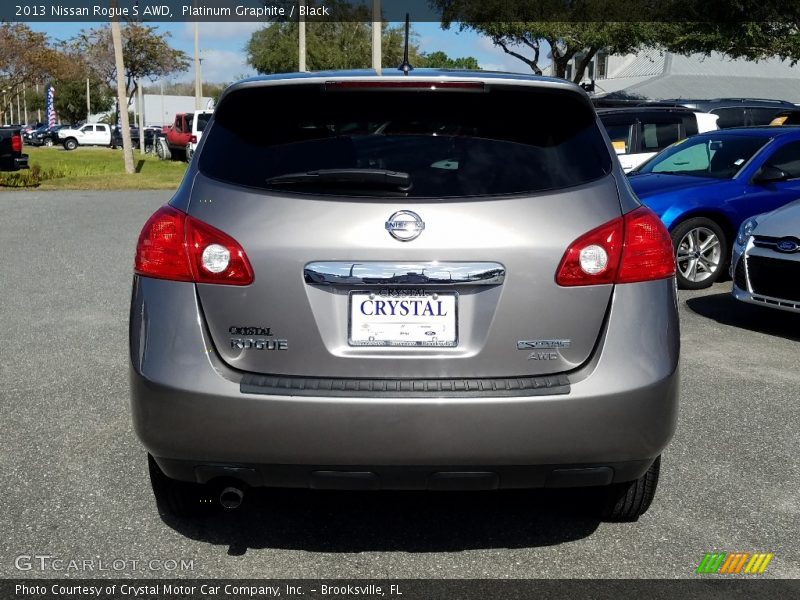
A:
580, 66
116, 36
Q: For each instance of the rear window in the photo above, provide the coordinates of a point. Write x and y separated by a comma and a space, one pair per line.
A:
450, 143
202, 121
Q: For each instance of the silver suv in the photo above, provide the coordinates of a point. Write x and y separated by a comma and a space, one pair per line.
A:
435, 281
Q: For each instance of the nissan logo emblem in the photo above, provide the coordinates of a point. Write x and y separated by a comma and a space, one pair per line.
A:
405, 225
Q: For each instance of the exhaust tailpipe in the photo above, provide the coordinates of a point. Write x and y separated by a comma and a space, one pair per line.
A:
231, 497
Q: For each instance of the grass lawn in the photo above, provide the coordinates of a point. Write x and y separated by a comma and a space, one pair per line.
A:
102, 169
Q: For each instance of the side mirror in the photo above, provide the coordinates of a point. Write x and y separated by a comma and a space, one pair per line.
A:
769, 174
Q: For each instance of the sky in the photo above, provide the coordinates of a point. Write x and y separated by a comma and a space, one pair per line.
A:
223, 56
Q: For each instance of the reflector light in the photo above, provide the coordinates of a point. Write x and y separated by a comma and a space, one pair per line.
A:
593, 259
216, 258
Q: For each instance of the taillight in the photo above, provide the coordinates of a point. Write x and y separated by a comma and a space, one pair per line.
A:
16, 143
175, 246
633, 247
193, 139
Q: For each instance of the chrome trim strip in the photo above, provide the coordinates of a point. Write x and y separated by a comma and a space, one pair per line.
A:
411, 274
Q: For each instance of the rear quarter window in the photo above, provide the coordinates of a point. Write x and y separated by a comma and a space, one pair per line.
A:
502, 140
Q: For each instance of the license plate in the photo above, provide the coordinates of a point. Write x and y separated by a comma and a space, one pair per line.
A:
403, 319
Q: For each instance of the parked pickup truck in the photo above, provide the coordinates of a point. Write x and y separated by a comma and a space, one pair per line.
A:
180, 139
100, 134
11, 156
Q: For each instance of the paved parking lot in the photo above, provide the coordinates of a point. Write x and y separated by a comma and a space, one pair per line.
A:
74, 477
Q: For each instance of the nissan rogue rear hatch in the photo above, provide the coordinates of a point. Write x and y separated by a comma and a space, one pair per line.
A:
404, 227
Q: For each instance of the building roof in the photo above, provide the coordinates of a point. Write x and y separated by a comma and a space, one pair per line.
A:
657, 76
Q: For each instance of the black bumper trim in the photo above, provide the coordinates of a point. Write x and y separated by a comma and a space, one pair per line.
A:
282, 385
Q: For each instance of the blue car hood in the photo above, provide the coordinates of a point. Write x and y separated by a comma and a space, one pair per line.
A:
652, 184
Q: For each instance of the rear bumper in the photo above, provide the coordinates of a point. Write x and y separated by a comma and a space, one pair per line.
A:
619, 414
14, 163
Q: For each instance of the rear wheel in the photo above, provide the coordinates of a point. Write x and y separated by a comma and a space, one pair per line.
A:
700, 252
162, 149
630, 500
177, 498
48, 142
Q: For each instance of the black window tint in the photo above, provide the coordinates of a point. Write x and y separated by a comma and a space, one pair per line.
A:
730, 117
202, 121
452, 143
621, 136
787, 159
762, 116
657, 136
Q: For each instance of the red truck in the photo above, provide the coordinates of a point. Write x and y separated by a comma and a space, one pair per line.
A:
179, 140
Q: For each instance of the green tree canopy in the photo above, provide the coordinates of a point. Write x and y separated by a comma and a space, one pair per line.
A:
440, 60
146, 51
555, 32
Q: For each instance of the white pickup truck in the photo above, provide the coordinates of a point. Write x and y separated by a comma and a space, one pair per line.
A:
91, 134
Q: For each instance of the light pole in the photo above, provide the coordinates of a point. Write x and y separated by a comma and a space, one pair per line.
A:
301, 40
198, 90
376, 36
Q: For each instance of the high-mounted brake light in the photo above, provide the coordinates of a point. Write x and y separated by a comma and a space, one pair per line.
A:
175, 246
409, 85
633, 247
16, 143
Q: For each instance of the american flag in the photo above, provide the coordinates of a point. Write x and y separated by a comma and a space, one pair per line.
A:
50, 107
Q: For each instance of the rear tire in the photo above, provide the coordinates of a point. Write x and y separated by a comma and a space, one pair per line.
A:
162, 149
626, 502
177, 498
701, 251
49, 143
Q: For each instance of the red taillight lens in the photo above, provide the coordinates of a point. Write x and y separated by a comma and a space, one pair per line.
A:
175, 246
648, 252
16, 143
633, 247
193, 139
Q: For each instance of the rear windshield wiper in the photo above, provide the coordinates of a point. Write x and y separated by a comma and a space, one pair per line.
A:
372, 178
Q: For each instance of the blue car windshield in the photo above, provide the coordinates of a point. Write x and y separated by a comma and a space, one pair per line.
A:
714, 156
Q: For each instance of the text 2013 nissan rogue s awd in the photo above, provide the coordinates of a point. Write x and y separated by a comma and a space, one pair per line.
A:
433, 281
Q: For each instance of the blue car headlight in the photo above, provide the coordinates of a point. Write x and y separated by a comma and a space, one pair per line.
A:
746, 230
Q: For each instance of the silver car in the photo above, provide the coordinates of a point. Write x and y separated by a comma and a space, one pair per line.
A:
765, 265
434, 281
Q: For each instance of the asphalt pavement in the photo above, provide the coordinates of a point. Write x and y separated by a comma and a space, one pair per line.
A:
73, 477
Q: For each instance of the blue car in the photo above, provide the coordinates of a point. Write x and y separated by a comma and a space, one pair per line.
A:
705, 186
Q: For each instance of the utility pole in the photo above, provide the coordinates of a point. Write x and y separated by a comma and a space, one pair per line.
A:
88, 101
140, 103
376, 36
301, 40
198, 90
163, 118
38, 110
19, 111
25, 101
116, 36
